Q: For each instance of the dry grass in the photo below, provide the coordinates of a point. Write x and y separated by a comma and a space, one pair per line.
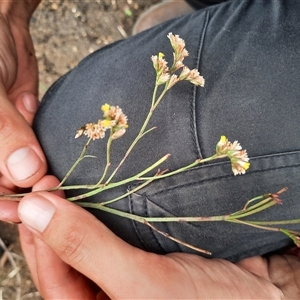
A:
15, 280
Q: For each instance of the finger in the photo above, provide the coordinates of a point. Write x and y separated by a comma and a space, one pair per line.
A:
5, 182
56, 279
87, 245
48, 182
102, 296
27, 105
21, 159
27, 71
284, 271
53, 277
8, 209
28, 248
27, 238
256, 265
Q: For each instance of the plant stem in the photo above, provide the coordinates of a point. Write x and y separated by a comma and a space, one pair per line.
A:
108, 147
140, 134
119, 183
76, 163
195, 163
255, 199
251, 212
128, 193
150, 219
177, 240
254, 225
154, 95
283, 222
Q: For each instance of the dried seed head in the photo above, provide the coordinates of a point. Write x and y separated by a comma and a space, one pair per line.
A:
238, 157
114, 119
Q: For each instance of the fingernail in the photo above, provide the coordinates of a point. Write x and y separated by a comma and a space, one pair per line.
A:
30, 102
36, 212
23, 163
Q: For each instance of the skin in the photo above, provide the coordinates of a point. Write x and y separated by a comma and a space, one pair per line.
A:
18, 86
18, 81
76, 256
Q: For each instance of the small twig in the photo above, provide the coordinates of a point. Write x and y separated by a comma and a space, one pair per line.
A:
14, 265
30, 295
177, 240
122, 31
5, 256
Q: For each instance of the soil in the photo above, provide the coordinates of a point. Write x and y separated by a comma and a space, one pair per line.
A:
64, 32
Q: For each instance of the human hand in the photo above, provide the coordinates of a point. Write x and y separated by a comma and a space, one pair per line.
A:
22, 162
72, 255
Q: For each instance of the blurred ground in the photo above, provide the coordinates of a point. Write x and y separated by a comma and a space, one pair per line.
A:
64, 31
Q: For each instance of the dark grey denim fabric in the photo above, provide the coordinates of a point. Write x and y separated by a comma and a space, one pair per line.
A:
249, 53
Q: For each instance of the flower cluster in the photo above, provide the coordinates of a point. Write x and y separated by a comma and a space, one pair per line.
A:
164, 75
161, 68
238, 157
178, 45
114, 119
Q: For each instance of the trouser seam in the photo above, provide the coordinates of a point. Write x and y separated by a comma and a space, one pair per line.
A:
195, 89
221, 177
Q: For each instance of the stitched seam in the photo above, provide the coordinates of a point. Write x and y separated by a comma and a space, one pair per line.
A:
194, 225
137, 231
230, 175
151, 230
136, 228
220, 177
195, 89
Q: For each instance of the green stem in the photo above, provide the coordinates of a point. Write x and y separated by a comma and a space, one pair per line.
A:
253, 207
182, 219
154, 95
140, 134
246, 213
76, 163
149, 219
108, 147
128, 193
136, 177
195, 163
254, 225
283, 222
160, 98
256, 199
119, 183
113, 185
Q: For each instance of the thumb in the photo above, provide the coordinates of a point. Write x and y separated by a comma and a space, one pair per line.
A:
87, 245
21, 158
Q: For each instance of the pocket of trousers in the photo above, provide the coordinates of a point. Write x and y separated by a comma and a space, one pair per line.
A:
212, 190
